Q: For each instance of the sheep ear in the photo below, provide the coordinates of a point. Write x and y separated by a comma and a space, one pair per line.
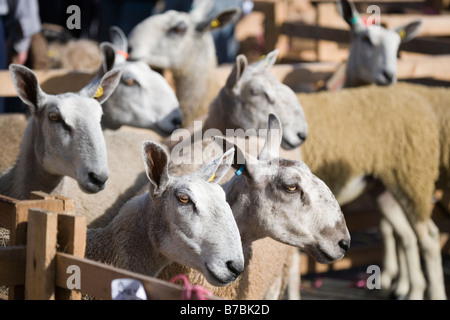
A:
236, 72
243, 163
101, 90
348, 11
118, 38
109, 58
120, 42
273, 140
215, 170
222, 19
27, 87
266, 62
156, 162
201, 9
409, 31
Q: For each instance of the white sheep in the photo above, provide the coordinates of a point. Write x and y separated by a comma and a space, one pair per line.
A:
182, 42
164, 116
184, 219
143, 98
63, 138
277, 204
373, 59
373, 49
389, 133
393, 135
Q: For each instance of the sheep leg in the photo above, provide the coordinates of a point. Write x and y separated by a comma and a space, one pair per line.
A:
428, 236
403, 276
390, 266
392, 211
394, 262
274, 291
293, 285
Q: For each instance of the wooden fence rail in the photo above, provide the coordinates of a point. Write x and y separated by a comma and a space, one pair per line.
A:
46, 238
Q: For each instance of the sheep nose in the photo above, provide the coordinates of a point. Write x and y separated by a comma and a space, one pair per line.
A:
177, 122
302, 136
389, 75
98, 179
344, 245
235, 267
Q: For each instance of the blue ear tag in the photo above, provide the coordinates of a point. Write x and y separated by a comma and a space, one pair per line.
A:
354, 19
238, 173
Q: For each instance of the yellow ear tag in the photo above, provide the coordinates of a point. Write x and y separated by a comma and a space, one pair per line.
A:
99, 92
212, 177
264, 57
215, 23
402, 34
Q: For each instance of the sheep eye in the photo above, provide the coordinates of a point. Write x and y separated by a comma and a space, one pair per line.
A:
180, 28
130, 82
366, 39
183, 199
54, 117
256, 91
291, 188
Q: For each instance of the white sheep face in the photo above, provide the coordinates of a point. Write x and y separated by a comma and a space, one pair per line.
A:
251, 94
301, 210
373, 56
374, 49
162, 40
73, 143
290, 204
143, 98
173, 39
69, 139
197, 225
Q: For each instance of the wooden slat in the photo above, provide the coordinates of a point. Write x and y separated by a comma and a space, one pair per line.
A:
18, 233
96, 279
7, 212
12, 265
52, 81
436, 67
370, 254
72, 240
41, 250
302, 30
427, 46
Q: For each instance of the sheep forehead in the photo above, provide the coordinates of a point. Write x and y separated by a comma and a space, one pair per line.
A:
204, 194
289, 170
383, 37
138, 70
168, 20
75, 108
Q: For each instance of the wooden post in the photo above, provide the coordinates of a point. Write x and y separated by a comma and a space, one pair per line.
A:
41, 251
72, 240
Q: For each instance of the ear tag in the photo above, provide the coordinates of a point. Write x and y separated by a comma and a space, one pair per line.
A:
99, 92
239, 172
215, 23
212, 177
402, 34
264, 57
354, 19
123, 53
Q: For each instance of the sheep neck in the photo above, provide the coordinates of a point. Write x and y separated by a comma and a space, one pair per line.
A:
245, 204
28, 175
130, 241
194, 83
221, 115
